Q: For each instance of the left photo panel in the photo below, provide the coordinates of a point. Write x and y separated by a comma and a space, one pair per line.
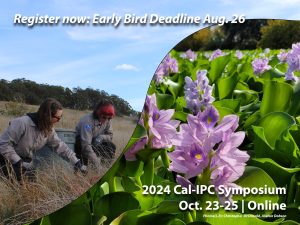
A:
63, 120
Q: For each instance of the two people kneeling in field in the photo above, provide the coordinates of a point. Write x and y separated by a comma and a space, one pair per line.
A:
28, 134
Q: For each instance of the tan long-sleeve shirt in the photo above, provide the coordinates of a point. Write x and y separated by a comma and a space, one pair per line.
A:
88, 129
22, 139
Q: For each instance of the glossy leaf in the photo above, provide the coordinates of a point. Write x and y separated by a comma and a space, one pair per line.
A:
217, 67
255, 177
113, 204
281, 175
277, 96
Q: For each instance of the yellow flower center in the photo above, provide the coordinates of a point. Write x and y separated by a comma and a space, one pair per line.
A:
198, 156
209, 120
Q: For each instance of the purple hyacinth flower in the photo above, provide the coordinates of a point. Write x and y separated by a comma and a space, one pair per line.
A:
205, 145
267, 51
239, 54
198, 132
189, 160
167, 66
207, 55
189, 54
198, 93
159, 74
290, 76
209, 116
226, 177
161, 127
130, 154
282, 56
229, 163
229, 154
184, 182
260, 65
217, 53
293, 60
209, 146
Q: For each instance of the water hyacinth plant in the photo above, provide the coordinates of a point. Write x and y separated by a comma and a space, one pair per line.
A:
239, 54
161, 129
260, 65
198, 93
228, 118
293, 60
189, 54
217, 53
167, 66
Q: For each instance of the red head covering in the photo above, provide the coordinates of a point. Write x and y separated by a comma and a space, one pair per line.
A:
108, 110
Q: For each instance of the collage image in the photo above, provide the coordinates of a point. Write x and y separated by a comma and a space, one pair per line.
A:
210, 136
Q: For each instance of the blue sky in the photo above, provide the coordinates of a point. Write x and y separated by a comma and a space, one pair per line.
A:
119, 60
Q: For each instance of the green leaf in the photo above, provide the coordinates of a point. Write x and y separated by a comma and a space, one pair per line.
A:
245, 68
226, 85
129, 184
281, 175
276, 97
275, 124
217, 67
147, 201
148, 153
113, 204
252, 120
138, 217
236, 218
223, 111
164, 101
245, 96
287, 145
75, 214
232, 104
45, 221
173, 87
258, 178
138, 133
133, 168
289, 222
272, 74
295, 106
180, 103
169, 206
182, 116
198, 223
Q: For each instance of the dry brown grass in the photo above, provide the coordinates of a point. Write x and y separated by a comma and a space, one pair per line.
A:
56, 185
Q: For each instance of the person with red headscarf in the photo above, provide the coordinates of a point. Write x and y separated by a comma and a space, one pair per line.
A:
94, 135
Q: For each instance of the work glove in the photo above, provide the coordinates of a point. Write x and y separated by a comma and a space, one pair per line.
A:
79, 167
17, 167
21, 168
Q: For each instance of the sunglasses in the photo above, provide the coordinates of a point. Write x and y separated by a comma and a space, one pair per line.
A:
57, 118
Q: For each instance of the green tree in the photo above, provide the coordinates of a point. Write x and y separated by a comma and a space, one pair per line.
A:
280, 34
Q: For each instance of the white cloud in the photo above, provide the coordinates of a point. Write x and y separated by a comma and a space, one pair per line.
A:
127, 67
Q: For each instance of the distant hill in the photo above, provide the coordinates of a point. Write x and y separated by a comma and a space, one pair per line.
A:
30, 92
